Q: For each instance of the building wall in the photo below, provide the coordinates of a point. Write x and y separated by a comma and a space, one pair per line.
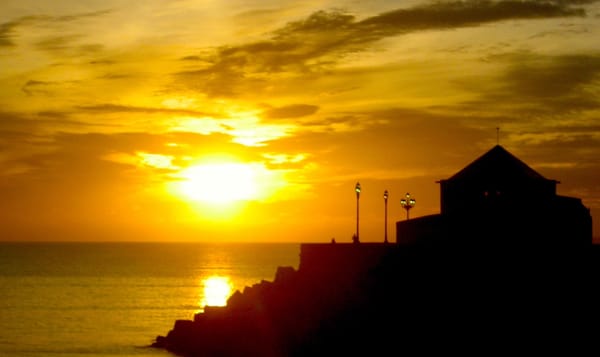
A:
427, 228
344, 261
561, 221
467, 196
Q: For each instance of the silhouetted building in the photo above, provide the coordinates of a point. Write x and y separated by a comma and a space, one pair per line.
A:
499, 200
344, 297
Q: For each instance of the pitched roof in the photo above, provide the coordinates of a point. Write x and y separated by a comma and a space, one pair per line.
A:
497, 164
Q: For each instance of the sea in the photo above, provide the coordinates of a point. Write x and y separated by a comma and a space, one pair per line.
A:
113, 299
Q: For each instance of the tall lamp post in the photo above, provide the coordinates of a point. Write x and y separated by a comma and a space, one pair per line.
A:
385, 199
407, 203
357, 189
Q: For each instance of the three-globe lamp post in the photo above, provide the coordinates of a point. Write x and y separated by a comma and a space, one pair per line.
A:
407, 203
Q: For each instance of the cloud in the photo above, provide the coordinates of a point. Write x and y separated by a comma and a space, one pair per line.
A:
453, 14
396, 141
61, 180
87, 158
290, 111
64, 45
40, 126
32, 87
36, 87
80, 16
22, 137
191, 58
8, 29
324, 37
542, 84
56, 43
534, 77
115, 108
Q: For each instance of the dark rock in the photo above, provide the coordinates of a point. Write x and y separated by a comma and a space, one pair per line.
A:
395, 299
160, 342
285, 275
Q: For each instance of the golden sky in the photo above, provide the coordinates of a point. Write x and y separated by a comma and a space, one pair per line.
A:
211, 120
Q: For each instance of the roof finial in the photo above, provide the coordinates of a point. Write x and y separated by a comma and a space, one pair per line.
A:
497, 136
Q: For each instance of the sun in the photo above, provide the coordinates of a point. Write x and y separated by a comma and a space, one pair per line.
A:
217, 290
220, 183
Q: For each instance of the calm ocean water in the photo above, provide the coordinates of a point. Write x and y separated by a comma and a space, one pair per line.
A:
113, 299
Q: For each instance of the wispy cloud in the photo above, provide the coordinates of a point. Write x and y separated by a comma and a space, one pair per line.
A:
116, 108
57, 43
79, 16
555, 79
442, 15
325, 37
68, 45
290, 111
8, 29
36, 87
543, 84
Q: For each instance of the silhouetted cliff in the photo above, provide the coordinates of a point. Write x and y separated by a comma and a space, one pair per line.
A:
372, 299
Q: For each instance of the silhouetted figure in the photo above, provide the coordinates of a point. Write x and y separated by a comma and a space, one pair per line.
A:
332, 240
355, 239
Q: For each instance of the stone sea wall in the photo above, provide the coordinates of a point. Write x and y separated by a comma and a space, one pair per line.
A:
370, 299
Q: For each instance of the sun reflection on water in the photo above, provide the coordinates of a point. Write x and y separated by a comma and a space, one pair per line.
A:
217, 290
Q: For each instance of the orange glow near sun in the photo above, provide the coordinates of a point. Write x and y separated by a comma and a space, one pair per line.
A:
223, 181
219, 182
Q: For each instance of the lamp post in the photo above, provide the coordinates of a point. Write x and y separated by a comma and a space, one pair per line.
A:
385, 199
407, 203
357, 189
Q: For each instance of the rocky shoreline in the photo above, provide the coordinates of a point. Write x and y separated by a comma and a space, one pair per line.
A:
409, 298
